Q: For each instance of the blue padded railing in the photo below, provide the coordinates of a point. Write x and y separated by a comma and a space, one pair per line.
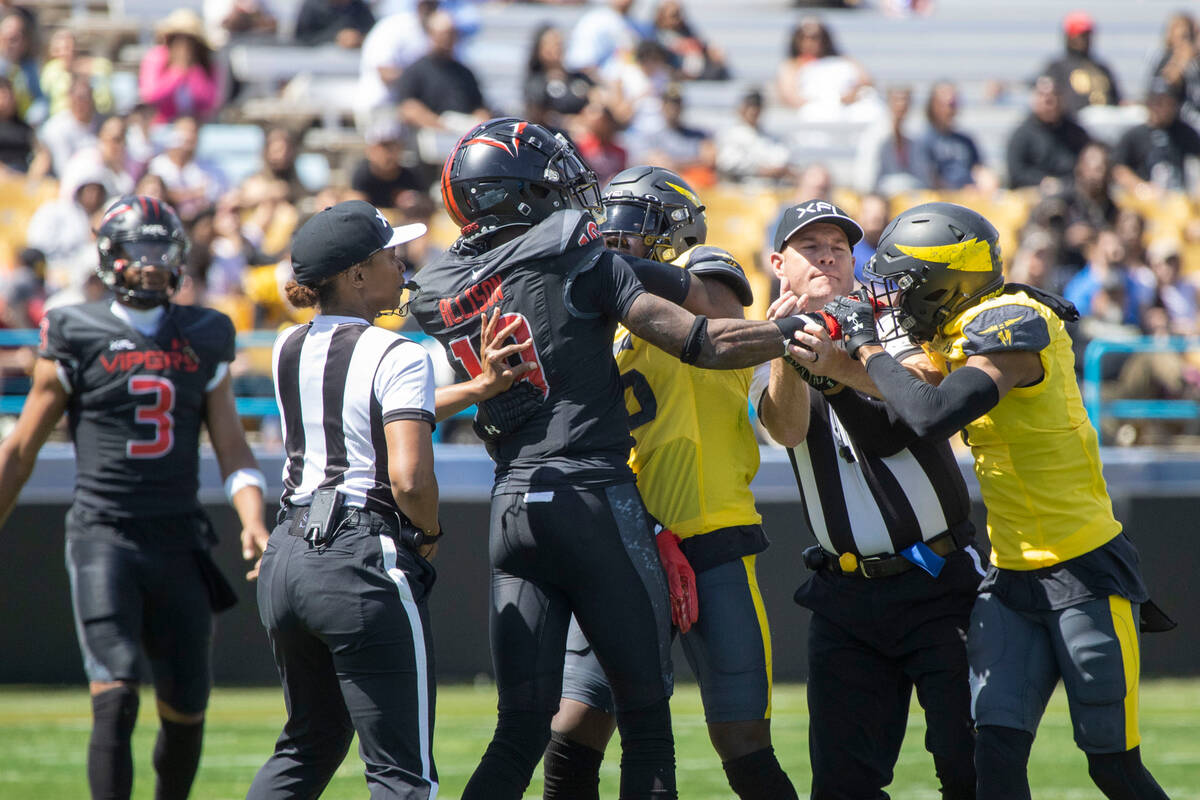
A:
1098, 408
249, 406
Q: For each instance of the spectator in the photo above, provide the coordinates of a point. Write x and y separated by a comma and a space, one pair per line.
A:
638, 87
439, 93
602, 38
392, 46
596, 141
1173, 292
19, 64
1085, 81
226, 20
1107, 270
688, 151
139, 136
65, 61
1149, 158
1179, 64
1048, 142
62, 228
888, 161
1034, 263
1131, 230
817, 79
553, 93
341, 22
151, 185
950, 155
693, 58
191, 184
280, 148
1084, 206
16, 137
381, 176
25, 293
874, 213
110, 157
179, 76
72, 129
747, 152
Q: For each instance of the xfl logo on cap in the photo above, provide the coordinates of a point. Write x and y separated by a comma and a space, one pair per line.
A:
819, 207
383, 220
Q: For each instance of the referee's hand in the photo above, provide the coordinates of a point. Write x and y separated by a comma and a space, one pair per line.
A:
254, 543
498, 374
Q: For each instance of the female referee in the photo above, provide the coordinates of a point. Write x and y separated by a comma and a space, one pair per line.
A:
345, 578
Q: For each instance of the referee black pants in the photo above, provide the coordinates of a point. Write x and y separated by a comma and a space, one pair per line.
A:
350, 630
871, 641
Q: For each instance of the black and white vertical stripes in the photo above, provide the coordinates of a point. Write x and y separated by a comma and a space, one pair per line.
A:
861, 502
338, 381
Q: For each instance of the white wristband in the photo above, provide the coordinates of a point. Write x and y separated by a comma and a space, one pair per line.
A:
241, 478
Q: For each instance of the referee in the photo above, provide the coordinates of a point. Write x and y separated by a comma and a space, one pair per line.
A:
895, 570
344, 580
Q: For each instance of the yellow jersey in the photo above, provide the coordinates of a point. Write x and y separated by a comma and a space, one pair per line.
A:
1037, 457
695, 452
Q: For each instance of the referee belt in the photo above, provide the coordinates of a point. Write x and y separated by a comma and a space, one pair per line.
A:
298, 517
884, 566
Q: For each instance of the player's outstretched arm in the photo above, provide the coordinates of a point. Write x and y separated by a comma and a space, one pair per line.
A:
244, 482
496, 375
18, 452
784, 407
712, 344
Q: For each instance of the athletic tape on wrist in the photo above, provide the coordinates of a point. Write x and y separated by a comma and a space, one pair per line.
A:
241, 478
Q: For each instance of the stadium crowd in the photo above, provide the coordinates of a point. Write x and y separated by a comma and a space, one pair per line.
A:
1113, 225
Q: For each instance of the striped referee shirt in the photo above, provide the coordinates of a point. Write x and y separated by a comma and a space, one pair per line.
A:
870, 486
338, 381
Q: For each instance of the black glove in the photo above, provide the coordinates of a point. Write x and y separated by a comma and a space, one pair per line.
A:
822, 383
857, 319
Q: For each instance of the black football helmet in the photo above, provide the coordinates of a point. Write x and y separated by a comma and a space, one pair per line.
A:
657, 205
934, 261
508, 172
140, 231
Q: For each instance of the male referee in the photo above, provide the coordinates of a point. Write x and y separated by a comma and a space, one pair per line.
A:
895, 571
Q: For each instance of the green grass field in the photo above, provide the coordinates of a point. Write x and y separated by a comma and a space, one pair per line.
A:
43, 733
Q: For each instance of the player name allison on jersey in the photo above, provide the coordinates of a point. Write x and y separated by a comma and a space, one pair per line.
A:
472, 301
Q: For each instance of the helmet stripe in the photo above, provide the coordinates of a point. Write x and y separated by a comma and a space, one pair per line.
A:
973, 255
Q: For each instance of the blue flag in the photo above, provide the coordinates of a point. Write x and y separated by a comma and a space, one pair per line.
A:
925, 558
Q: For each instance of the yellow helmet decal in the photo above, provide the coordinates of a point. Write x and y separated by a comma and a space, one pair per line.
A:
972, 255
688, 193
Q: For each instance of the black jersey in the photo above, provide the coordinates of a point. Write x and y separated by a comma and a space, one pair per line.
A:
136, 403
569, 291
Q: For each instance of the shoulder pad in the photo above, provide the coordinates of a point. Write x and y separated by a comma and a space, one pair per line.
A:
1061, 306
719, 263
1008, 327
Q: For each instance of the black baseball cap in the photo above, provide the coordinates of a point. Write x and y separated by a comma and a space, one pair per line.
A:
341, 236
802, 214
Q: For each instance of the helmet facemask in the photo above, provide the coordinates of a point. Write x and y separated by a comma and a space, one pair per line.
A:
127, 259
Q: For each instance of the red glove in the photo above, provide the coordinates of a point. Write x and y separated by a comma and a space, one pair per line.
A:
681, 581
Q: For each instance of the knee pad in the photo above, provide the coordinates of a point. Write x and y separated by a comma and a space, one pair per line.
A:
1122, 776
572, 770
176, 758
647, 752
758, 776
114, 713
1002, 763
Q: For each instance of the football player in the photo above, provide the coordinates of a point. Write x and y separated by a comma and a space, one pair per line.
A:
138, 376
568, 529
694, 458
1063, 595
